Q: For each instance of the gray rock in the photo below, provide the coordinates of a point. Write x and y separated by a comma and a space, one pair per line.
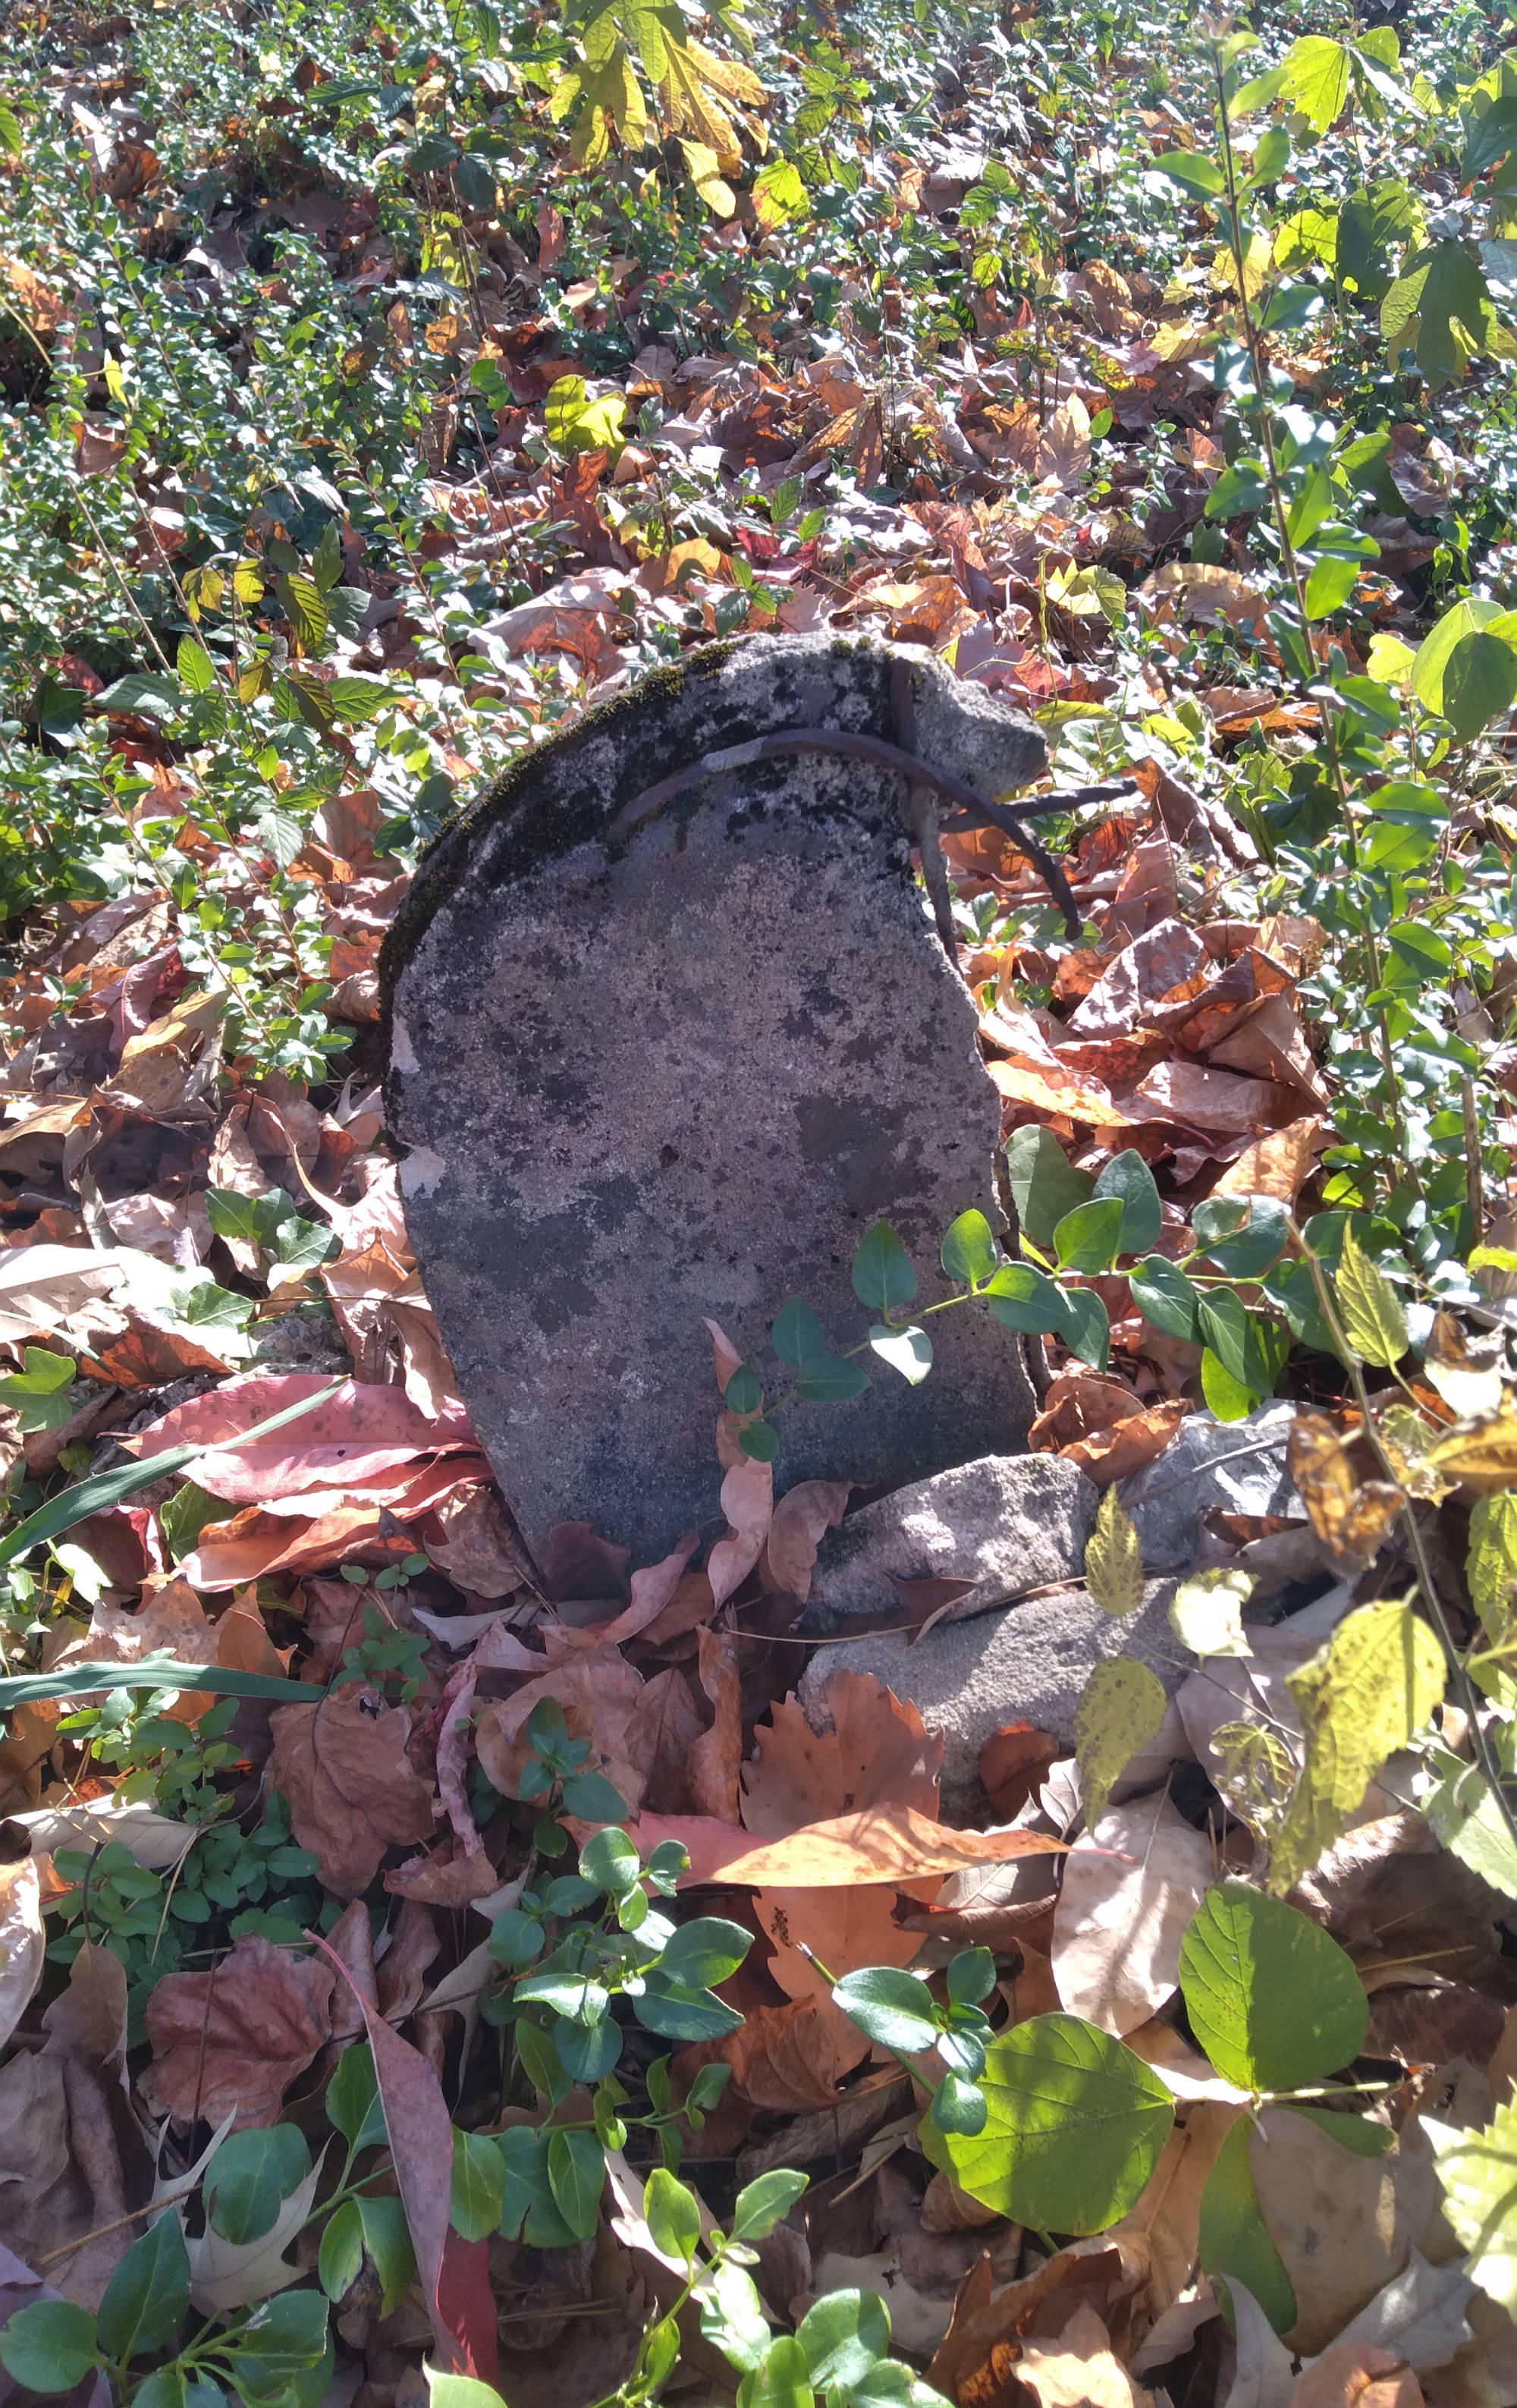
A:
1231, 1466
651, 1069
1024, 1663
1008, 1521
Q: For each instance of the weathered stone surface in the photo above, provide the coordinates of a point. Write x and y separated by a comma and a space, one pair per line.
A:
1024, 1663
651, 1069
1009, 1523
1229, 1467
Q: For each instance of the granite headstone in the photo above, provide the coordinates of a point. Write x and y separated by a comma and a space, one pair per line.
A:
649, 1067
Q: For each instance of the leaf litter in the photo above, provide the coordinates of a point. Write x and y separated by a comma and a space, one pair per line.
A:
202, 1239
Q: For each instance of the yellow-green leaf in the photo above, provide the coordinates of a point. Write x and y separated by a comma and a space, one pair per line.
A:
1206, 1612
1374, 1323
779, 193
1122, 1709
1491, 1564
1361, 1697
1316, 78
1479, 2173
1114, 1560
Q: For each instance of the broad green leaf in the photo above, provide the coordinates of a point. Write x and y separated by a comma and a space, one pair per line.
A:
355, 701
764, 2202
1045, 1184
1241, 1235
883, 1277
1272, 1999
672, 2214
1076, 2123
779, 193
1120, 1707
1316, 81
38, 1392
375, 2228
841, 2337
1238, 1340
1023, 1298
353, 2104
782, 2379
195, 667
1164, 1296
831, 1380
1085, 1326
1330, 584
301, 600
147, 2299
1193, 172
1206, 1612
1491, 1563
459, 2390
250, 2178
1480, 683
1420, 951
1128, 1177
1373, 1321
1441, 309
890, 2005
282, 2339
1371, 225
744, 1391
478, 2187
576, 2176
529, 2208
705, 1950
1234, 2237
1468, 1820
574, 422
1431, 660
1087, 1239
1226, 1398
1360, 1698
1114, 1558
1479, 2173
733, 2317
968, 1250
680, 2010
49, 2346
797, 1336
906, 1350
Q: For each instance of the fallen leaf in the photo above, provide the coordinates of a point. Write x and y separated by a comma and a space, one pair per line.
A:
1079, 2370
352, 1792
1012, 1763
1354, 2374
748, 1502
786, 2059
1343, 2225
876, 1751
1350, 1513
22, 1943
477, 1548
1130, 1889
660, 1732
892, 1843
598, 1692
795, 1529
359, 1431
1420, 2315
231, 2040
716, 1757
226, 2274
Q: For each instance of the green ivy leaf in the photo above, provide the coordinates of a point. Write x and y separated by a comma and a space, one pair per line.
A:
575, 2176
250, 2178
1164, 1296
969, 1250
49, 2346
705, 1952
797, 1336
1128, 1178
672, 2214
761, 2204
1087, 1239
1045, 1184
842, 2336
891, 2006
148, 2297
882, 1275
478, 2186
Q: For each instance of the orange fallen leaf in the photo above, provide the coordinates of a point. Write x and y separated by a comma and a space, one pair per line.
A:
882, 1843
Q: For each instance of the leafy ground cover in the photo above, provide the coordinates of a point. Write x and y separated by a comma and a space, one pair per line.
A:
425, 1968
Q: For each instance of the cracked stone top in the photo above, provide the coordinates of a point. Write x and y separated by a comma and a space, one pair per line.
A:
646, 1071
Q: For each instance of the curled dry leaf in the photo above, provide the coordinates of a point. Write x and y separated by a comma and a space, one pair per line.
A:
1079, 2370
748, 1502
352, 1790
1350, 1513
1355, 2374
231, 2040
22, 1941
717, 1755
795, 1529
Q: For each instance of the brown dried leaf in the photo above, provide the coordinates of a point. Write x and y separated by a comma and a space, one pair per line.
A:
1349, 1513
796, 1528
352, 1791
233, 2039
877, 1751
716, 1757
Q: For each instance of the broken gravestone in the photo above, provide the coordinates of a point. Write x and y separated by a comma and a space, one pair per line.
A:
652, 1064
